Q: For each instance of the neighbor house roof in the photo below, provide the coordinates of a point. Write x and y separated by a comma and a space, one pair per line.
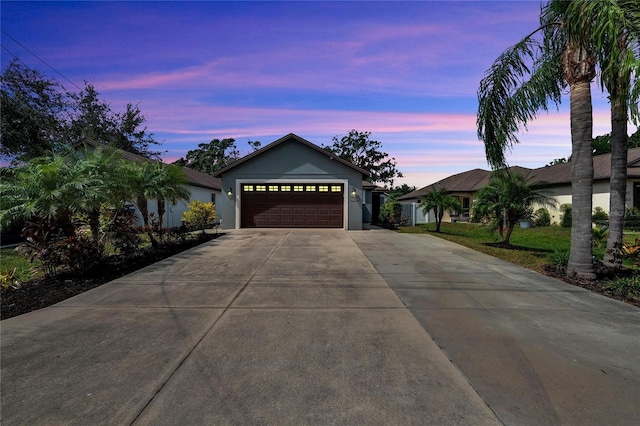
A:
558, 174
195, 177
282, 140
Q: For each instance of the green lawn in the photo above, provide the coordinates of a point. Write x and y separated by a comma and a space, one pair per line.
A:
10, 259
536, 243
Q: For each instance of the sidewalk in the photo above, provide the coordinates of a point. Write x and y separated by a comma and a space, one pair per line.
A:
259, 327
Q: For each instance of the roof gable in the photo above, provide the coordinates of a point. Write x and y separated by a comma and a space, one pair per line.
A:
287, 138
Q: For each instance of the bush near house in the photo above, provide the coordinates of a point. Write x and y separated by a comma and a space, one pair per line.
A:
599, 216
391, 214
632, 219
542, 217
200, 215
565, 216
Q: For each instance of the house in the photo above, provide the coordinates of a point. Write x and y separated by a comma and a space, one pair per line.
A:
555, 180
201, 187
293, 183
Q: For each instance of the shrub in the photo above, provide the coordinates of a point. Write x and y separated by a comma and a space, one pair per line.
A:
632, 219
599, 216
559, 260
40, 238
123, 232
200, 215
565, 217
8, 280
391, 214
542, 217
77, 253
625, 287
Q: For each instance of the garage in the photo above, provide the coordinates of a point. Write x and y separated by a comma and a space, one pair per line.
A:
291, 183
292, 205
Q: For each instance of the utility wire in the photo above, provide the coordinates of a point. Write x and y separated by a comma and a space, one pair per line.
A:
38, 57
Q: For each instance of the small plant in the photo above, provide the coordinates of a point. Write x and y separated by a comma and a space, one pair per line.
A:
391, 214
123, 232
77, 253
565, 217
631, 250
200, 215
8, 280
541, 217
599, 235
625, 287
559, 260
599, 216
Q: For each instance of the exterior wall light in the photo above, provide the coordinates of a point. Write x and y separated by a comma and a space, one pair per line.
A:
353, 192
229, 192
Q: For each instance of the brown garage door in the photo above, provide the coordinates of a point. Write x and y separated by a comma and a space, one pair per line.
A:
292, 205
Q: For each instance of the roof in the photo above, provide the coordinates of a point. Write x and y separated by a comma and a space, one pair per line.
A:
195, 177
282, 140
558, 174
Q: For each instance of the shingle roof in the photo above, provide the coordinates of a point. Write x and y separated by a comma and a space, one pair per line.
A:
286, 138
195, 177
558, 174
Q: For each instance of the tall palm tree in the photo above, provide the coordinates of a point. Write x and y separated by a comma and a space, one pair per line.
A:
508, 198
439, 200
172, 187
513, 92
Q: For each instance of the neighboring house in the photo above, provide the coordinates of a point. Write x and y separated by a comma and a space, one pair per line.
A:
293, 183
201, 186
556, 180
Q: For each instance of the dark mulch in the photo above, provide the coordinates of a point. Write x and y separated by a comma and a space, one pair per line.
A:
40, 293
599, 285
514, 247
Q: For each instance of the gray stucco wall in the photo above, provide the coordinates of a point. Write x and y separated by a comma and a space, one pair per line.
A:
291, 161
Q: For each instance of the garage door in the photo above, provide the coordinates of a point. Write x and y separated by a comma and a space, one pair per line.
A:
292, 205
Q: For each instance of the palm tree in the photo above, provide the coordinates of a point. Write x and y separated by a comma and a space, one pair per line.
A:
46, 189
439, 200
509, 198
531, 74
160, 182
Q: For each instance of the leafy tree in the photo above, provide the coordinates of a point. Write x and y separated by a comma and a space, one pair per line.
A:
357, 148
94, 119
531, 74
211, 157
254, 145
399, 191
439, 200
509, 198
34, 110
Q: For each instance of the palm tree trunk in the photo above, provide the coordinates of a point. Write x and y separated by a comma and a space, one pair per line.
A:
162, 208
580, 258
94, 224
618, 182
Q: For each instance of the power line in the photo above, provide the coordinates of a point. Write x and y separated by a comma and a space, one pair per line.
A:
39, 58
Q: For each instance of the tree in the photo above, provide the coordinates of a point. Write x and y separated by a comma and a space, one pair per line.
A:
34, 111
161, 182
94, 119
399, 191
439, 200
211, 157
507, 199
531, 74
367, 154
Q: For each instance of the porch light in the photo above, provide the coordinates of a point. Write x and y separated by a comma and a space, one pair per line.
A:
353, 192
229, 192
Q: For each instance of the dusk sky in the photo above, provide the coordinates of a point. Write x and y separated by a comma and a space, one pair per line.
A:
408, 72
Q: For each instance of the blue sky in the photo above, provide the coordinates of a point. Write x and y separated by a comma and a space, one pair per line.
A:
406, 71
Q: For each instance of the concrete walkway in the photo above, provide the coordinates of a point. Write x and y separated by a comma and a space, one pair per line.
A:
304, 327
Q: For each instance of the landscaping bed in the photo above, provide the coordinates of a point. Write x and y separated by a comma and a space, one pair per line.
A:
42, 292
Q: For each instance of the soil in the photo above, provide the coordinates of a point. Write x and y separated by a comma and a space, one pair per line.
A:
43, 292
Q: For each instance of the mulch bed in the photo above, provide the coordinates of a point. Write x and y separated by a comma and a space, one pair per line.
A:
40, 293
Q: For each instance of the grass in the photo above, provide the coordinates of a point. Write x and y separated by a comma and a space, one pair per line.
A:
10, 259
536, 245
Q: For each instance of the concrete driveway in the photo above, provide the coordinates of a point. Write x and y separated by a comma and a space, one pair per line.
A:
325, 327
